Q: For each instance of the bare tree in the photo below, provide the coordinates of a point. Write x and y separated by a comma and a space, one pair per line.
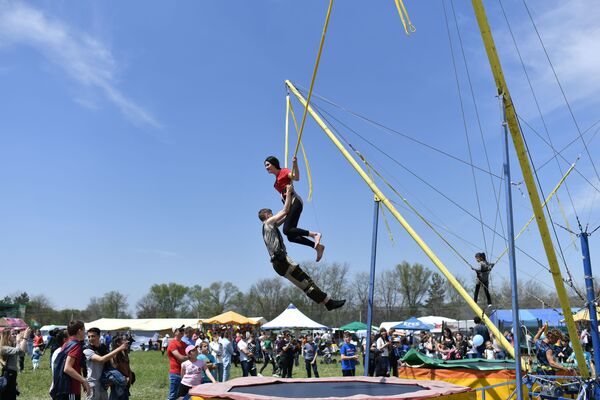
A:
388, 294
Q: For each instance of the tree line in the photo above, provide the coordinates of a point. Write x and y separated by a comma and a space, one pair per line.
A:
400, 292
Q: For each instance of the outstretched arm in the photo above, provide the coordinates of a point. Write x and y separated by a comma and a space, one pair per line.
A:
278, 218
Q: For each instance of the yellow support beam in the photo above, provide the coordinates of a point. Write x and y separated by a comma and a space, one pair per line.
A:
386, 202
552, 193
534, 197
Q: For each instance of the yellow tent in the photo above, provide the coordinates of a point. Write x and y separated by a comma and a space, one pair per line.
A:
229, 318
584, 315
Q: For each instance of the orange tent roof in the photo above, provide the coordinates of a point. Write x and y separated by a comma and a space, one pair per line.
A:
229, 318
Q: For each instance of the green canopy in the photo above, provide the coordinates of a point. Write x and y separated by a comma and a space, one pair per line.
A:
354, 326
415, 359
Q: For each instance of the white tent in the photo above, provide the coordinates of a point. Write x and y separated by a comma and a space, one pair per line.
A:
437, 322
141, 324
292, 318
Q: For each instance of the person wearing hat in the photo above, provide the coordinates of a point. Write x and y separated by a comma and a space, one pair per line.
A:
191, 371
177, 355
282, 263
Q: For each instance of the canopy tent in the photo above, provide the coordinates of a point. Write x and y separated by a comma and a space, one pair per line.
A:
229, 318
354, 326
530, 316
413, 324
437, 322
583, 315
258, 320
292, 318
144, 324
17, 323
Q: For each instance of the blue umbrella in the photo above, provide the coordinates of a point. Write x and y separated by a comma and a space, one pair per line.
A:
413, 324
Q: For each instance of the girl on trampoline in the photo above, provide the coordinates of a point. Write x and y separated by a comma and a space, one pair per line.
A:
483, 277
284, 177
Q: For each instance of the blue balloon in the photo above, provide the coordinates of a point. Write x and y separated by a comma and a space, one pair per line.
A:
477, 340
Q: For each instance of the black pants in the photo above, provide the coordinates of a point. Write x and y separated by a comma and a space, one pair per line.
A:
290, 226
485, 290
348, 372
394, 364
288, 268
267, 359
286, 363
309, 366
10, 392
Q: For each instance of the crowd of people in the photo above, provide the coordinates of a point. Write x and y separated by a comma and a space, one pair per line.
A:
90, 363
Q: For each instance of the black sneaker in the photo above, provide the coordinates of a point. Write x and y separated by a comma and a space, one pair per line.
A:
333, 304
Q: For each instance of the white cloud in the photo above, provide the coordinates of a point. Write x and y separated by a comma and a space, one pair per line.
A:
571, 35
84, 58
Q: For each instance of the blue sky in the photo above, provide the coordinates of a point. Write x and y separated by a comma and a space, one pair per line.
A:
132, 134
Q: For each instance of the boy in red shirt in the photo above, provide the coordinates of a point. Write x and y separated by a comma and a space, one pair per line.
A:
76, 331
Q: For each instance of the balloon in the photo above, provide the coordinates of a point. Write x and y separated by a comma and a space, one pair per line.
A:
477, 340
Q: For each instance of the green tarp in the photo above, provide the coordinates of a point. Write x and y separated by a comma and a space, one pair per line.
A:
416, 359
354, 326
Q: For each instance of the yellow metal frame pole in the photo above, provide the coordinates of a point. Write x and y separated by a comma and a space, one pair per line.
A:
534, 196
552, 193
287, 129
386, 202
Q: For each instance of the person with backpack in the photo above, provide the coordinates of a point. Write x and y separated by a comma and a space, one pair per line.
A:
68, 379
96, 355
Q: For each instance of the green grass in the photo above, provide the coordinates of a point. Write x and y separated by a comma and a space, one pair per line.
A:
152, 376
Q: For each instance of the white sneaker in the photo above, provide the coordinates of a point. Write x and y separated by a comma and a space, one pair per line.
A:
259, 374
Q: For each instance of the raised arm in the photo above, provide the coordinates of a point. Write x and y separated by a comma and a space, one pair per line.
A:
295, 174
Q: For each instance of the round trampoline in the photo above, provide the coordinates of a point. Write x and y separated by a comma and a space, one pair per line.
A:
355, 388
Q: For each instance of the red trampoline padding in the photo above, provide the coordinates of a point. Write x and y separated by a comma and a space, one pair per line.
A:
355, 388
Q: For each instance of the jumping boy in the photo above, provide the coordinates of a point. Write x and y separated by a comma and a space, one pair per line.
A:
282, 263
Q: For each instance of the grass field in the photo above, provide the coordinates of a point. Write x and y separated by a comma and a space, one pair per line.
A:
152, 376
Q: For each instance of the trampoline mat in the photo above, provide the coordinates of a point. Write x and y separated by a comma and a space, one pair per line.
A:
326, 389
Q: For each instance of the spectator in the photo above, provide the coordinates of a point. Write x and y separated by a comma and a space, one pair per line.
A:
36, 354
71, 372
96, 355
286, 352
193, 371
383, 346
489, 353
216, 350
227, 355
462, 346
348, 356
447, 346
207, 358
545, 353
38, 340
187, 337
309, 352
12, 346
176, 354
266, 343
246, 358
480, 329
164, 344
120, 362
394, 354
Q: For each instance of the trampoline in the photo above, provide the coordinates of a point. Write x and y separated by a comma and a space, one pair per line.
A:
355, 388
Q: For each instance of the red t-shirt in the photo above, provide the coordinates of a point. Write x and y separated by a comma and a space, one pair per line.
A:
38, 341
174, 364
77, 354
282, 180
